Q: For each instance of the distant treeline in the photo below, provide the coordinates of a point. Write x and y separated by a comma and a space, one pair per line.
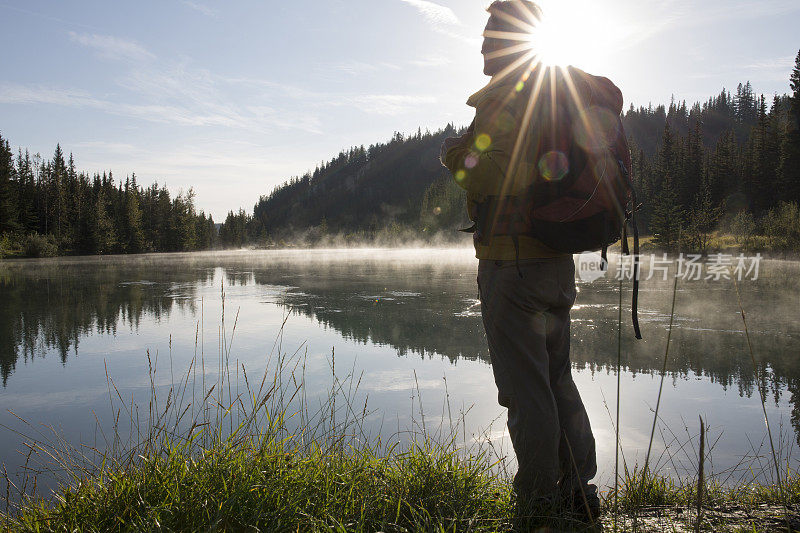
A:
731, 163
48, 208
734, 159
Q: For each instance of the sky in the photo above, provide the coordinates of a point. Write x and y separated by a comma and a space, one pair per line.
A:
234, 98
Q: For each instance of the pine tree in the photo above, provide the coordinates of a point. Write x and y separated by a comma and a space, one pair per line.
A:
73, 204
161, 209
789, 168
666, 159
776, 126
688, 154
703, 220
58, 203
26, 193
745, 105
759, 181
8, 200
182, 226
132, 225
724, 172
667, 218
103, 232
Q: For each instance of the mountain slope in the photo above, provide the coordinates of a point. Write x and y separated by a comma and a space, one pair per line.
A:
716, 156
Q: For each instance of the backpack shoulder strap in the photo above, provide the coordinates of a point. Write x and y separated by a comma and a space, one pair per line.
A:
635, 297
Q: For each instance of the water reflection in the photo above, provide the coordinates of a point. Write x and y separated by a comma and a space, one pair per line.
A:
429, 312
422, 305
415, 307
51, 306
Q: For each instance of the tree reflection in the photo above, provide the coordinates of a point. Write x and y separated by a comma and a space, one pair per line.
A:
419, 308
429, 312
54, 307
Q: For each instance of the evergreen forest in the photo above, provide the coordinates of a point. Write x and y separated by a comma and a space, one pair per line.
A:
48, 208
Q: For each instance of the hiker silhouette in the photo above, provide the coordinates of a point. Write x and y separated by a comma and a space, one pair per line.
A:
546, 168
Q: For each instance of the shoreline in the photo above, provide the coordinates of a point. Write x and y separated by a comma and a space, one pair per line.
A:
647, 248
272, 482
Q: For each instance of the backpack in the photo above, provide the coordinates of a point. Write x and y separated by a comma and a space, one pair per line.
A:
581, 197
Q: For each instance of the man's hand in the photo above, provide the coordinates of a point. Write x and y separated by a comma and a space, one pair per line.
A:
453, 142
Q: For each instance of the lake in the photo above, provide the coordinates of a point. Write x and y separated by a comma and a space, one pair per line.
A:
407, 325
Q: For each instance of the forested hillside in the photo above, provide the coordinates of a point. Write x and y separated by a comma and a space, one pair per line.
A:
733, 160
362, 192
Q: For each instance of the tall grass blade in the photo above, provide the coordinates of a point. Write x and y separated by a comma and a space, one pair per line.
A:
616, 423
762, 399
701, 475
663, 374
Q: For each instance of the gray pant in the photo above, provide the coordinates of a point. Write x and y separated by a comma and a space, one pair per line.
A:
527, 326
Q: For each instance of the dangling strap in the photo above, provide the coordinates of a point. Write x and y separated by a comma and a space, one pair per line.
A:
625, 249
472, 229
604, 257
515, 240
635, 299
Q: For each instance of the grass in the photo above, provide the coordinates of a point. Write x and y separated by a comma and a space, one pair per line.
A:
272, 483
209, 455
719, 242
260, 485
638, 491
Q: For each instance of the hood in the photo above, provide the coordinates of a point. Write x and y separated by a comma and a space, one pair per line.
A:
593, 90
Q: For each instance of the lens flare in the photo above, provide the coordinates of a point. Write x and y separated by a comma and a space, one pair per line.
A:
553, 166
483, 142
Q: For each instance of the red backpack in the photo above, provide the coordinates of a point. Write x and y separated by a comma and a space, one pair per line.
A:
582, 197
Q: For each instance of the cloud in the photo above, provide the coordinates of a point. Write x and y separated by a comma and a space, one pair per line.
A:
443, 20
432, 61
13, 93
205, 10
108, 147
192, 113
434, 13
382, 104
765, 70
360, 67
654, 18
781, 63
388, 381
178, 93
390, 104
110, 47
749, 10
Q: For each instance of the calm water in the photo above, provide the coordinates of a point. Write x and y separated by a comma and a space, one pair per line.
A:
402, 320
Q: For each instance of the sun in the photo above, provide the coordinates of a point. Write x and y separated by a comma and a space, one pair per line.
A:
574, 32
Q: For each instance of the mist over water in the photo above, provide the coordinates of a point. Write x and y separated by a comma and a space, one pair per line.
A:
407, 323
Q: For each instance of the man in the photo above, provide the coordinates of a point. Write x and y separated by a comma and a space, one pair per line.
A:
526, 120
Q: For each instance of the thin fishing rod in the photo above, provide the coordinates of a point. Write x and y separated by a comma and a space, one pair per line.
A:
663, 373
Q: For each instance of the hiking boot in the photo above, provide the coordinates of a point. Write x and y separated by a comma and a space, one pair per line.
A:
531, 513
587, 510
